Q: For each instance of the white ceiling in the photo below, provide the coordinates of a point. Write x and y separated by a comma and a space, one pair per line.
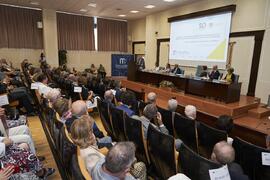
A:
104, 8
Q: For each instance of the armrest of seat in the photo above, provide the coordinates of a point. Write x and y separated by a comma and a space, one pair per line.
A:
82, 166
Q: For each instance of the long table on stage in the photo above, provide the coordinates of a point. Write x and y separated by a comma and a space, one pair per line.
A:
222, 91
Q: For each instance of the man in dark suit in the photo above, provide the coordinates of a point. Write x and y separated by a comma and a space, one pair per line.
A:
140, 63
177, 70
223, 153
215, 73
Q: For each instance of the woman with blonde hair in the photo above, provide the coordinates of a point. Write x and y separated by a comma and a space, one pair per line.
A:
83, 136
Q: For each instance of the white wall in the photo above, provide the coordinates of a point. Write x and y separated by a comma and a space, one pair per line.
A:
250, 15
83, 59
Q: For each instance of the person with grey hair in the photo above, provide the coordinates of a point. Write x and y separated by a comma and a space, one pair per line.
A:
151, 98
116, 164
172, 105
224, 154
108, 97
153, 117
53, 95
78, 109
191, 112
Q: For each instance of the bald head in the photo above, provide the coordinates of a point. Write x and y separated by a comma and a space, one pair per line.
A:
223, 153
190, 111
79, 108
108, 95
172, 105
151, 97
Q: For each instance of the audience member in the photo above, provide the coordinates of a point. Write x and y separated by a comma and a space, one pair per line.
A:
6, 172
93, 69
82, 135
53, 95
108, 97
214, 73
224, 154
118, 164
230, 76
21, 159
101, 72
118, 89
79, 108
63, 107
151, 98
172, 105
128, 100
19, 94
225, 123
18, 134
153, 117
191, 112
42, 83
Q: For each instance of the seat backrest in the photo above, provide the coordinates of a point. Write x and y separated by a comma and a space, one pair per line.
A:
78, 168
134, 133
103, 109
67, 149
249, 156
236, 79
208, 137
193, 165
141, 105
167, 118
75, 168
118, 123
56, 130
185, 129
162, 153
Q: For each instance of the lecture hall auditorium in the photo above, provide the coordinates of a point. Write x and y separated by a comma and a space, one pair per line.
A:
125, 90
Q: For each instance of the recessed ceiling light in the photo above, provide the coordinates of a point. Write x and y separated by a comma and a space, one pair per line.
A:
134, 11
122, 15
92, 4
83, 10
150, 6
169, 0
34, 3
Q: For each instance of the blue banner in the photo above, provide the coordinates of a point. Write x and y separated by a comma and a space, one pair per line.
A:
120, 64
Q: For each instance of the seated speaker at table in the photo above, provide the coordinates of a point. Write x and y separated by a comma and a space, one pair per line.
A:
214, 73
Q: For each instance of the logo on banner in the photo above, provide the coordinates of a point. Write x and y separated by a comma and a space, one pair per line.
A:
122, 61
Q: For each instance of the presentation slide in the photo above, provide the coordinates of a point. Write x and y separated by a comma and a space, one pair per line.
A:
200, 41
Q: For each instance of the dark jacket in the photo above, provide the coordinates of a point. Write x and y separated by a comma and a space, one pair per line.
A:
177, 71
214, 75
236, 172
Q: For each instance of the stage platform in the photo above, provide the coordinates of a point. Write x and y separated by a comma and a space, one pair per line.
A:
250, 119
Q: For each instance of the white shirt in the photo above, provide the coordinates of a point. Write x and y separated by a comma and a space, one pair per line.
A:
43, 89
